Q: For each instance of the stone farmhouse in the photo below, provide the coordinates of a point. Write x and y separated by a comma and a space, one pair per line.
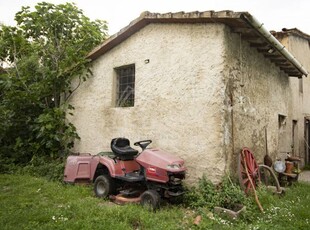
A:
201, 85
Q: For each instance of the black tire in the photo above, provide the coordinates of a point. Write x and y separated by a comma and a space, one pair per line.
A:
150, 200
103, 186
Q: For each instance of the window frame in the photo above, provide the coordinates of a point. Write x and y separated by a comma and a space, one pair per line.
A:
125, 86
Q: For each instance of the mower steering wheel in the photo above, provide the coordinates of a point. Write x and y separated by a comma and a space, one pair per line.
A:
143, 144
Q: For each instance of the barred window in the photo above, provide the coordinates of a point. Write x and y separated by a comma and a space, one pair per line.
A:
125, 87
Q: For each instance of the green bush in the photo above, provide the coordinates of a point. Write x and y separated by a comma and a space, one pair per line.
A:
229, 193
7, 165
46, 167
226, 194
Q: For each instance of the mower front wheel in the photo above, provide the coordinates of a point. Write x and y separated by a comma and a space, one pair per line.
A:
103, 186
150, 200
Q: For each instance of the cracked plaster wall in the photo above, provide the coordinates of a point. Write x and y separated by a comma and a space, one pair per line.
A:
179, 96
258, 92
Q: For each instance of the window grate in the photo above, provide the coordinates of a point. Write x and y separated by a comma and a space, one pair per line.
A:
125, 93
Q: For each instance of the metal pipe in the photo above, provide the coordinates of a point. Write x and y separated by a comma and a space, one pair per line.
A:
276, 44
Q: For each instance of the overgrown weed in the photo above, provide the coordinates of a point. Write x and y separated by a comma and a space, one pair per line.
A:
226, 194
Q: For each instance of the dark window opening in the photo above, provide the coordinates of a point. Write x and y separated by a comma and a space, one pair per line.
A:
282, 121
301, 85
294, 144
125, 87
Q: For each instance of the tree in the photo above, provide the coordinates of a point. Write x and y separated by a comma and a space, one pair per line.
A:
45, 52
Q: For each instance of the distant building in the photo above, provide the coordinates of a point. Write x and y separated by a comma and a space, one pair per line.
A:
297, 131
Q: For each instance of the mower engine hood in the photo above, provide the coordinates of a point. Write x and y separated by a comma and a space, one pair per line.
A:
161, 160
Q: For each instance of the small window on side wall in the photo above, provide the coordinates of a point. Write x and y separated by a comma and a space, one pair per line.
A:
125, 86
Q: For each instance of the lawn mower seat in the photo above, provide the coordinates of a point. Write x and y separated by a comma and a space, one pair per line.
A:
121, 148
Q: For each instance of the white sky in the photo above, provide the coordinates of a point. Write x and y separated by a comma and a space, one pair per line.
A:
275, 14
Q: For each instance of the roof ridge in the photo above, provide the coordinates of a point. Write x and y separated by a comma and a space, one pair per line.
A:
296, 31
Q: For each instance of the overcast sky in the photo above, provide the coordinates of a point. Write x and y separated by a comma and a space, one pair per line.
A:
275, 14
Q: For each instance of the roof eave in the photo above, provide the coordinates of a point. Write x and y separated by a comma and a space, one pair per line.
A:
240, 22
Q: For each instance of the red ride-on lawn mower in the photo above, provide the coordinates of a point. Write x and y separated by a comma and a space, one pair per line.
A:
147, 176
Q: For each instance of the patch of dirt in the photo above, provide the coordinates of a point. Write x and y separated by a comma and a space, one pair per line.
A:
106, 203
304, 176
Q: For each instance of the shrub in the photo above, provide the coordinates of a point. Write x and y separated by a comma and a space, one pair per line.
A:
229, 194
7, 165
46, 167
226, 194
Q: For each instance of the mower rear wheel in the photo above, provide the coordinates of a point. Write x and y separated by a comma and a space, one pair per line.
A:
103, 186
150, 200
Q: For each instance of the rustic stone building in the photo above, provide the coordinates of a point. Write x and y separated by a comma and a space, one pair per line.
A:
201, 85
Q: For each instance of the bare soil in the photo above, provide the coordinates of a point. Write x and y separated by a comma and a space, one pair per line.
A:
304, 176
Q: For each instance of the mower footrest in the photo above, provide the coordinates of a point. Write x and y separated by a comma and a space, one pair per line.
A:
131, 177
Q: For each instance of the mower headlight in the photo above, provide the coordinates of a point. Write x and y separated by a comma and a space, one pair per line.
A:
174, 166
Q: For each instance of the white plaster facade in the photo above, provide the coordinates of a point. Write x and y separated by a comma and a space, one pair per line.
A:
204, 95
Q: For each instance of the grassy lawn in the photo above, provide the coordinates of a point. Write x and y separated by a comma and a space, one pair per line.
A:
34, 203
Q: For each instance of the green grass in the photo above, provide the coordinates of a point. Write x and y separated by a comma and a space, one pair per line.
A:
34, 203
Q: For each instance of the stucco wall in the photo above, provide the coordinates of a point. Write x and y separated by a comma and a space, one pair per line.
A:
258, 93
204, 95
179, 96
